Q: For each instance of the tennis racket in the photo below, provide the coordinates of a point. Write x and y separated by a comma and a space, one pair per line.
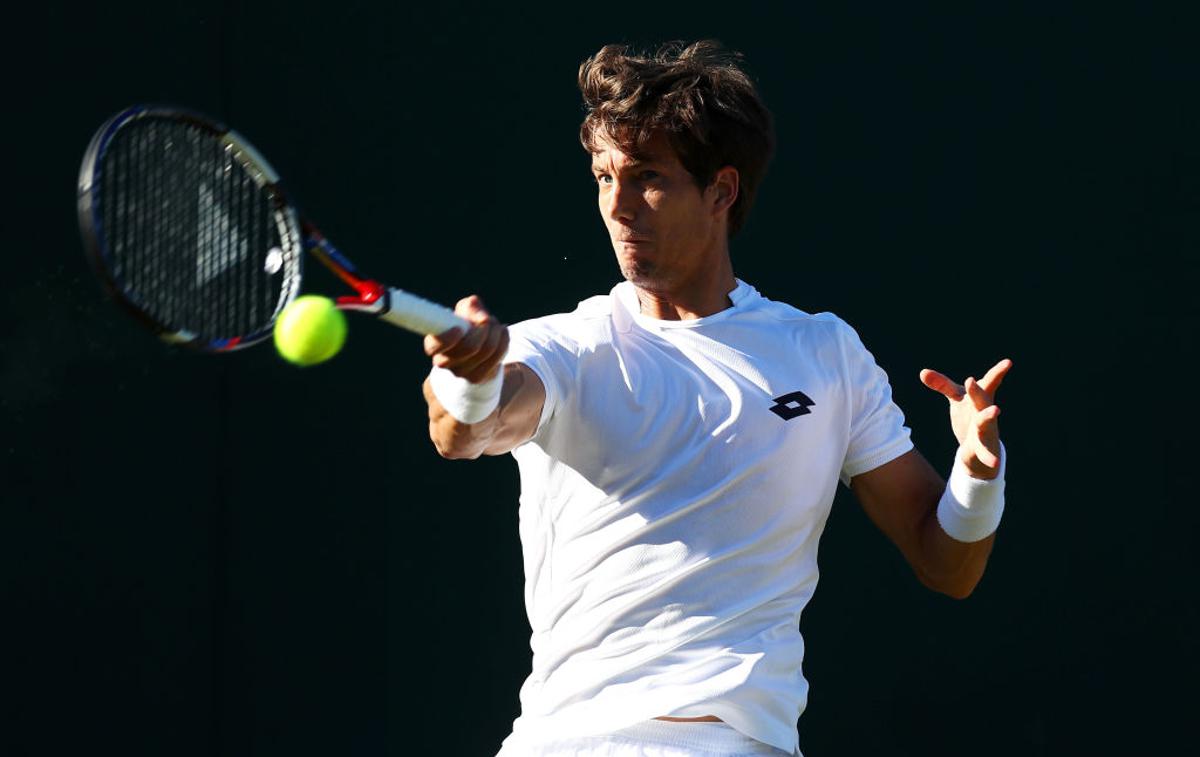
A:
188, 228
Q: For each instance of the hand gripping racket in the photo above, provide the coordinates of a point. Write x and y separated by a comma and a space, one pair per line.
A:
189, 229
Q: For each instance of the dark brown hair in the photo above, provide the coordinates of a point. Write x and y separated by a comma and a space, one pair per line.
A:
698, 95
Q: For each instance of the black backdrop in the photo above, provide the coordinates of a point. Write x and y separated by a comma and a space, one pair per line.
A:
230, 556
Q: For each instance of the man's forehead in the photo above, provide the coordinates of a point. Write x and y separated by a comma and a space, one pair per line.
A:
657, 149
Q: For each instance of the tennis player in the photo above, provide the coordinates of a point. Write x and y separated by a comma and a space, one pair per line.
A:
680, 441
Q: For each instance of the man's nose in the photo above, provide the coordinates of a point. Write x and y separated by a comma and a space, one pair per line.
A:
622, 202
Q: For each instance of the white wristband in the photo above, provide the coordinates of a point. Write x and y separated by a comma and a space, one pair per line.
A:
970, 508
466, 402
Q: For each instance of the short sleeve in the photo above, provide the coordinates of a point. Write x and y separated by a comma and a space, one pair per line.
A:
542, 345
877, 431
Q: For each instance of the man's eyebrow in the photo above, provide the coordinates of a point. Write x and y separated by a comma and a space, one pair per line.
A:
640, 162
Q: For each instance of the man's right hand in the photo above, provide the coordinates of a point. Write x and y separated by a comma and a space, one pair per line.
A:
475, 355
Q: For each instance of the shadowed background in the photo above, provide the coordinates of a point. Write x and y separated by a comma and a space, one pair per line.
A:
229, 556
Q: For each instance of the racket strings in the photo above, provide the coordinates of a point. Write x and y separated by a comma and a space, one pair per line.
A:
191, 237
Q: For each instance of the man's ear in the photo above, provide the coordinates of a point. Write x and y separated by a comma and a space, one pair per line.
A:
725, 188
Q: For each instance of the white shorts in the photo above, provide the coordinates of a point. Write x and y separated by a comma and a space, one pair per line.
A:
653, 738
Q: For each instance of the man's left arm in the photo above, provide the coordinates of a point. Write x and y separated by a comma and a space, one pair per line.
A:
902, 497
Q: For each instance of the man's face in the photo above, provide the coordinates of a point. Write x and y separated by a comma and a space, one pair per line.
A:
663, 227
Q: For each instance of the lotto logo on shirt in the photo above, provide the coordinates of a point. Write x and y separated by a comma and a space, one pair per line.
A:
792, 405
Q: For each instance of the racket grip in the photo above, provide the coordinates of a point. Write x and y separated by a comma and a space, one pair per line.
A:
419, 315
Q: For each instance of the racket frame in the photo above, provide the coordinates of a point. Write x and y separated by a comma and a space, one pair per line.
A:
390, 304
259, 170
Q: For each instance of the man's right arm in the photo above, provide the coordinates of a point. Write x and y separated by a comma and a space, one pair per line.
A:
476, 357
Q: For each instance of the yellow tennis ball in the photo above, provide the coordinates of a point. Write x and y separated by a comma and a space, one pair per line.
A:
310, 330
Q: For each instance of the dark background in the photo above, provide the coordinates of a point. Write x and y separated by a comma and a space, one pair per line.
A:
230, 556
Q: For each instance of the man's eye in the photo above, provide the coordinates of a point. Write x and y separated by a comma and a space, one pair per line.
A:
649, 175
603, 179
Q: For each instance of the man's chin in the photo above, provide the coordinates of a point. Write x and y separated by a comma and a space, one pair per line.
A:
640, 273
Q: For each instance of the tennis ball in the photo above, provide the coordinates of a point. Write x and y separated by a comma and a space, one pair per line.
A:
310, 330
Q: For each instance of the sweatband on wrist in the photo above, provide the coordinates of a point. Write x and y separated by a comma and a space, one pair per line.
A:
466, 402
970, 508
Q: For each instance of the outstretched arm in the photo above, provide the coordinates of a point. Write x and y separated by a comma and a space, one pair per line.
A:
902, 496
475, 358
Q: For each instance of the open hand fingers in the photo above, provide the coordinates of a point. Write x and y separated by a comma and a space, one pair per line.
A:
979, 398
941, 384
991, 380
985, 441
974, 421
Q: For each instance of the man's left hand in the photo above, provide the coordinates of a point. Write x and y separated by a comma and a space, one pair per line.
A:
973, 415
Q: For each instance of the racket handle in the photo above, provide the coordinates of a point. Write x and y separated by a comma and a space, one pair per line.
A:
419, 315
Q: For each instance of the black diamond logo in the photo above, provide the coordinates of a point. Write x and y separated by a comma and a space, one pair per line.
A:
792, 405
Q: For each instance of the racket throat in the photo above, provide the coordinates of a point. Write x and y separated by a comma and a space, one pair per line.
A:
370, 294
370, 298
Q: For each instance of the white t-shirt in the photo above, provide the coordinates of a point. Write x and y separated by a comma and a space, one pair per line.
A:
671, 503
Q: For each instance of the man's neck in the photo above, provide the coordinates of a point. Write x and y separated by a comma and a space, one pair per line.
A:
692, 299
